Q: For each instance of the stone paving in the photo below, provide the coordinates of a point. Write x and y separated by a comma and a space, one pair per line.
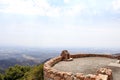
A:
88, 65
115, 72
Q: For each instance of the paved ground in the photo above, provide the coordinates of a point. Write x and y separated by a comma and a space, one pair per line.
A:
88, 65
116, 73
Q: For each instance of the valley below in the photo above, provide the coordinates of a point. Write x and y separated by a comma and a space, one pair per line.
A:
10, 56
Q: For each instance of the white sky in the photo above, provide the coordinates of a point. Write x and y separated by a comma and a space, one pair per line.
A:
63, 23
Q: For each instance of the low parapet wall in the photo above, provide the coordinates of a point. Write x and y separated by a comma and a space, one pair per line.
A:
91, 55
53, 74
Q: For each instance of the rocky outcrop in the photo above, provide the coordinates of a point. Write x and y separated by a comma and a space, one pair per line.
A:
66, 56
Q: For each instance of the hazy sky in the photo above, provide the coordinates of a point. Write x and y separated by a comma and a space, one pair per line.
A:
60, 23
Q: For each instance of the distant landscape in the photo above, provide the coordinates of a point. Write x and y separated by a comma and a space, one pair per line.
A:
10, 56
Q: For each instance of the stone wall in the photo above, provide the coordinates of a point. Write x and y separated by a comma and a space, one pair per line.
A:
92, 55
53, 74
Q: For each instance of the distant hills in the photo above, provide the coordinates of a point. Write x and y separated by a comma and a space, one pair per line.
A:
9, 56
117, 54
5, 63
23, 56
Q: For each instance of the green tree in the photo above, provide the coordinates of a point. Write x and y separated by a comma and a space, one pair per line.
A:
1, 76
16, 72
36, 73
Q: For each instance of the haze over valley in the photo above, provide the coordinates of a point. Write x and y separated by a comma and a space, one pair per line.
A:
10, 56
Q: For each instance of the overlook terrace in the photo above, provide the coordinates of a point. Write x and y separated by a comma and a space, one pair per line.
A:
82, 67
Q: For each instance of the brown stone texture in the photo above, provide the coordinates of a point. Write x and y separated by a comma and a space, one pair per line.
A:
102, 77
65, 55
91, 55
106, 71
80, 76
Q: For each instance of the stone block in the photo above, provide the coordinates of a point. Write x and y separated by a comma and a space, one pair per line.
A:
101, 77
79, 76
57, 78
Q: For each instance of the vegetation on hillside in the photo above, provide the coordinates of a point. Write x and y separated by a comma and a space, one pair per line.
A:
18, 72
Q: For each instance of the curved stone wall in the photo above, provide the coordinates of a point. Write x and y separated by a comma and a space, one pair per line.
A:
53, 74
